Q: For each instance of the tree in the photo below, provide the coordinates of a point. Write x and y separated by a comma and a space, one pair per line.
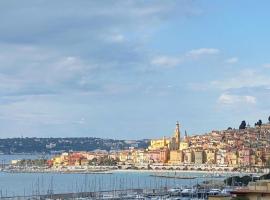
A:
229, 128
265, 176
233, 180
93, 161
269, 119
259, 123
243, 125
245, 180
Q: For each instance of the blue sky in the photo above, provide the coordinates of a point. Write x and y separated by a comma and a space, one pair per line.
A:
131, 69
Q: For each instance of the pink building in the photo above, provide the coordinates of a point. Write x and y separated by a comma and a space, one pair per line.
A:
158, 156
244, 156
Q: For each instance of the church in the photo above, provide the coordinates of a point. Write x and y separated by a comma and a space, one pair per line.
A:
172, 143
173, 146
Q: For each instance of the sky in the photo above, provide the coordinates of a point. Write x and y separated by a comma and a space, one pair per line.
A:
130, 69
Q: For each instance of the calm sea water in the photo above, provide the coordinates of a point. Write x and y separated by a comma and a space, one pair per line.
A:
40, 183
43, 183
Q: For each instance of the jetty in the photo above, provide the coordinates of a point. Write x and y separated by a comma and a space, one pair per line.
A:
173, 177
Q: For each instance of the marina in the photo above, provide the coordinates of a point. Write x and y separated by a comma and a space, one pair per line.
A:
115, 185
150, 184
194, 193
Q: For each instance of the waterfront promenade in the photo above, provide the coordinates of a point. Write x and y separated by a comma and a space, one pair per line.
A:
110, 169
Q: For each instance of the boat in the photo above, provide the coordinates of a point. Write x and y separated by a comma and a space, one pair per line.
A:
214, 191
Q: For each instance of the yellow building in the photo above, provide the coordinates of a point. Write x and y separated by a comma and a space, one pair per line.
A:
188, 156
159, 144
184, 145
232, 158
139, 157
57, 161
171, 143
176, 157
199, 157
126, 156
210, 156
252, 160
60, 160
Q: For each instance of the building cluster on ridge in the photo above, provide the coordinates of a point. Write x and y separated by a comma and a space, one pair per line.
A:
232, 147
249, 147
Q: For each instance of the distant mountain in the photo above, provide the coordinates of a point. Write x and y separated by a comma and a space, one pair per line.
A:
53, 145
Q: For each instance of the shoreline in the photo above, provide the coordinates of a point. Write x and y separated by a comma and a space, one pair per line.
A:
182, 171
150, 171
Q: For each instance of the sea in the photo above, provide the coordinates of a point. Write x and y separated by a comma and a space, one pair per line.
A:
19, 184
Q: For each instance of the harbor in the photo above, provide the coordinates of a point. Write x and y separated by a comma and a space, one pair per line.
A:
194, 193
42, 184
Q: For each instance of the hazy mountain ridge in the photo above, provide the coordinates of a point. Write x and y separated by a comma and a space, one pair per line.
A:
52, 145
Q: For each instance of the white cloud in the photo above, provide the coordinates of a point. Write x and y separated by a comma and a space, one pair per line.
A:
246, 87
172, 61
232, 60
28, 70
246, 78
203, 51
229, 99
266, 65
115, 38
166, 61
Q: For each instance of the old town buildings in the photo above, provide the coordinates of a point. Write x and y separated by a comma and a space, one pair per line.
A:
248, 147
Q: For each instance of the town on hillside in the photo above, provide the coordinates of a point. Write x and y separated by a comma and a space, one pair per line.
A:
245, 149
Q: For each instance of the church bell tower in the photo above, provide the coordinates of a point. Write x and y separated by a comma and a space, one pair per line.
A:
177, 134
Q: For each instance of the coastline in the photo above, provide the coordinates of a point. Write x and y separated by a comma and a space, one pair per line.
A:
109, 171
173, 171
184, 171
